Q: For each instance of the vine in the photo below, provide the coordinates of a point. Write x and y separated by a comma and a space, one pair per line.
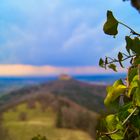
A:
122, 96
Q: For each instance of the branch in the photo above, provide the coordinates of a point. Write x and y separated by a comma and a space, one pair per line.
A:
110, 58
125, 54
115, 60
129, 116
132, 31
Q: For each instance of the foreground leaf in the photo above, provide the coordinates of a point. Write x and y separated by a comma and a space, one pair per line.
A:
120, 57
111, 122
114, 93
101, 63
113, 67
111, 25
136, 97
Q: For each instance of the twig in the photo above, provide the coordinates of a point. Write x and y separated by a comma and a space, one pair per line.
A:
132, 31
129, 116
115, 60
109, 58
125, 54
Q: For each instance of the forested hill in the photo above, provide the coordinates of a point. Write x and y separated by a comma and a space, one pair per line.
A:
87, 95
72, 107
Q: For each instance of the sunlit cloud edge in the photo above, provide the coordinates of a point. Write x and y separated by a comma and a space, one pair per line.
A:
31, 70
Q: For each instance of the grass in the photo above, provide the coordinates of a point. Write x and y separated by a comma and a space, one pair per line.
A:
37, 122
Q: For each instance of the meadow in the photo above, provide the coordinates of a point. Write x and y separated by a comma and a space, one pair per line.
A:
23, 123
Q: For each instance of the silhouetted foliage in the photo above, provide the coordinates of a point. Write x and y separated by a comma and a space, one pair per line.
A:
122, 96
135, 3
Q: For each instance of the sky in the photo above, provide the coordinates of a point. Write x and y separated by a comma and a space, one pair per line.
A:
59, 36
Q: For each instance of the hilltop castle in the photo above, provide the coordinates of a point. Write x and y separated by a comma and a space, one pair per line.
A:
65, 77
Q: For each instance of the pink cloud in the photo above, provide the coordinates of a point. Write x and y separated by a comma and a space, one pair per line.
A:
29, 70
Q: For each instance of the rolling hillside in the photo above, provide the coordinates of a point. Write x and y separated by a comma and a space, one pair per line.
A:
50, 116
87, 95
61, 108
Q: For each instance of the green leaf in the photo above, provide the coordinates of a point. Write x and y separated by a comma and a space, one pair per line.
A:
114, 93
136, 61
135, 120
136, 97
119, 126
108, 98
106, 60
136, 45
113, 67
118, 136
129, 43
120, 57
132, 72
111, 25
133, 86
130, 110
132, 89
101, 63
133, 45
123, 111
118, 82
111, 122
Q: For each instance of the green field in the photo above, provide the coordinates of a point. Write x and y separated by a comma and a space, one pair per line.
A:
23, 123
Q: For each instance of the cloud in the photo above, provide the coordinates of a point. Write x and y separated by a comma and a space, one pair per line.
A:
84, 34
57, 33
30, 70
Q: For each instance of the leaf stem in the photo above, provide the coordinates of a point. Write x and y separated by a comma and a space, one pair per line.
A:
109, 58
129, 116
132, 31
125, 54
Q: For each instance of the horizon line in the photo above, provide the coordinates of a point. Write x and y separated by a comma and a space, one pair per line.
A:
47, 70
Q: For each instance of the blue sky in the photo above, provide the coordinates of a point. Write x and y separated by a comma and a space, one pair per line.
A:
60, 33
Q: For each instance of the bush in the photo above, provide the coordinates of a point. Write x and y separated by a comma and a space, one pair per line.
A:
31, 104
23, 116
59, 119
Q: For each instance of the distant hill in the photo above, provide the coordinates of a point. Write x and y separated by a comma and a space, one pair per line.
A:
87, 95
76, 106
